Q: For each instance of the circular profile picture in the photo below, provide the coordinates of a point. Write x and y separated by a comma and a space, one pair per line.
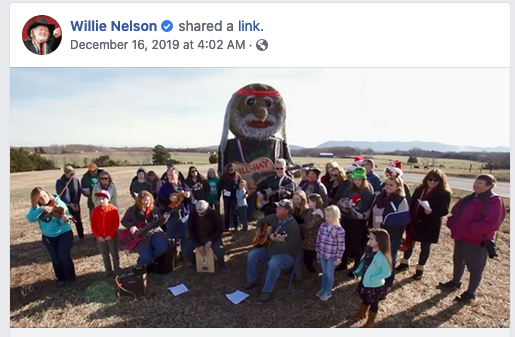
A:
41, 35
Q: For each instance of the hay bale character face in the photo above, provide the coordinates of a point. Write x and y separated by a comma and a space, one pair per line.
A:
256, 111
254, 115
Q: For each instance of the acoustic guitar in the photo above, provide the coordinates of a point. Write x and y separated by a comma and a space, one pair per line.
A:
263, 240
263, 204
129, 241
176, 199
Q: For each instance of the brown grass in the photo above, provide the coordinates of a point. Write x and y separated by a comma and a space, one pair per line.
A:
35, 301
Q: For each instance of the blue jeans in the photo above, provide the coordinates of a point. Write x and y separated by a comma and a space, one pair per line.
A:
327, 275
275, 263
176, 229
217, 246
242, 212
395, 242
157, 247
230, 213
59, 249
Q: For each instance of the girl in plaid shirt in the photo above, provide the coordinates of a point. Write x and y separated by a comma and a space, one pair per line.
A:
330, 246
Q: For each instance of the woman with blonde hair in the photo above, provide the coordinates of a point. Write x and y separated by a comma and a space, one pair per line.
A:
390, 211
52, 216
339, 182
326, 178
300, 206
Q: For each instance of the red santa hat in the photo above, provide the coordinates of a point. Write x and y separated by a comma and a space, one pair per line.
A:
358, 160
393, 169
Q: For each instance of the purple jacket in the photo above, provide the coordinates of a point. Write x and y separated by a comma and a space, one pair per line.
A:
330, 243
473, 220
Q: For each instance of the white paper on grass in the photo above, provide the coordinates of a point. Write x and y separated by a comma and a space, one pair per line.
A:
424, 204
237, 296
178, 289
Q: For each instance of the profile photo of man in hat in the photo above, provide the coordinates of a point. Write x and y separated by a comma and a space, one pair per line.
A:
42, 37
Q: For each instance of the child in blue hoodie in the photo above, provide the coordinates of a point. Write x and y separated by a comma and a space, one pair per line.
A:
53, 218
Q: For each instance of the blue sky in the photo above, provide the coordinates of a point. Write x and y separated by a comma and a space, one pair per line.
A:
184, 107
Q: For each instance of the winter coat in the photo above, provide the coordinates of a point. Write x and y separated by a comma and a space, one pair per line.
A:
309, 229
135, 217
49, 225
376, 273
105, 222
396, 213
475, 218
428, 228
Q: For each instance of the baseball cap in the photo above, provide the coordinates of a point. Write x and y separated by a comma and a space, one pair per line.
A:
103, 193
285, 203
202, 206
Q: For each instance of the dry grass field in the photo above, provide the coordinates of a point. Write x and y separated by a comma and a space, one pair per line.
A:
35, 300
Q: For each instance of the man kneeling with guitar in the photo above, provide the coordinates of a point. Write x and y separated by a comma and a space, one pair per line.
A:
144, 234
277, 242
205, 230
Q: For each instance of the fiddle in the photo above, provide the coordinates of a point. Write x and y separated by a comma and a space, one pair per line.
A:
57, 211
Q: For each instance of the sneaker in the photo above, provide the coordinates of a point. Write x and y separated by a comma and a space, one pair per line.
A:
319, 293
265, 297
325, 297
250, 285
108, 274
224, 269
449, 285
466, 297
61, 283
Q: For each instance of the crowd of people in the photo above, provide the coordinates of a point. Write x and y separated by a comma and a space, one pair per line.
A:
346, 219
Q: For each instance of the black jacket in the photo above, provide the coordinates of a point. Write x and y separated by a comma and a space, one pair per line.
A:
52, 42
428, 228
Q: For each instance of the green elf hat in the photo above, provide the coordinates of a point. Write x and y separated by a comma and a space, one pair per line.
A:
359, 173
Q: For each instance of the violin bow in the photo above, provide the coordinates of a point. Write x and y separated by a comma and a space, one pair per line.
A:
66, 186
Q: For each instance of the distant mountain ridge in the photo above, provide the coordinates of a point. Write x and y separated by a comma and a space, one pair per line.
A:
405, 146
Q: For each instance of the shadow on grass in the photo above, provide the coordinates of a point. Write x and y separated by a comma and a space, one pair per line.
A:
28, 253
49, 295
417, 310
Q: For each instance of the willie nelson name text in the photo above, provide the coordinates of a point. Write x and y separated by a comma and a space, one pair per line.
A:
116, 26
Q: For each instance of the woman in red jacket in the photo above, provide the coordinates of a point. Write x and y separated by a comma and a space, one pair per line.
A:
473, 222
104, 226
